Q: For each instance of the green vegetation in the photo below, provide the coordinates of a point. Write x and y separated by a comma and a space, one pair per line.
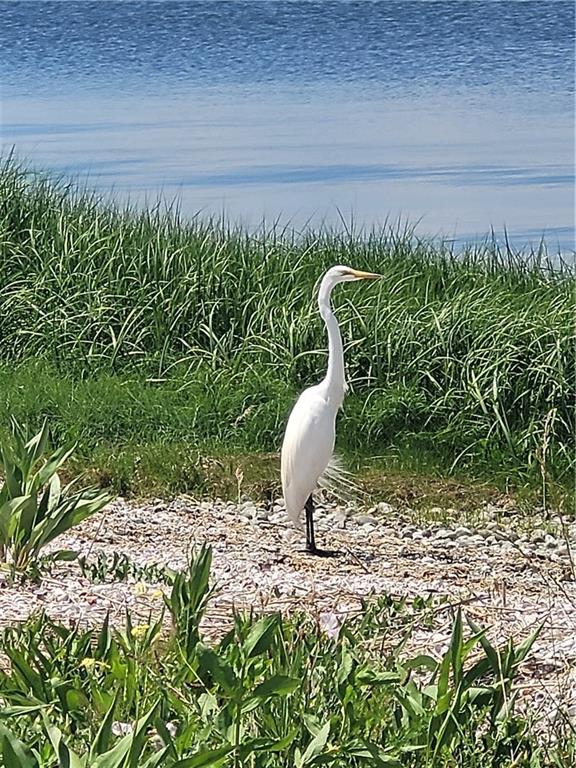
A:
34, 507
269, 692
155, 342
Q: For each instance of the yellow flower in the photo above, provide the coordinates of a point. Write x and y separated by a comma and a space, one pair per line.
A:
139, 631
90, 663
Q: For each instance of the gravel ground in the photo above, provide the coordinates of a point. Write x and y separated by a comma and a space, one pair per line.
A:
506, 578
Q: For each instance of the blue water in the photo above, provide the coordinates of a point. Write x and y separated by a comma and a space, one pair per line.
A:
453, 115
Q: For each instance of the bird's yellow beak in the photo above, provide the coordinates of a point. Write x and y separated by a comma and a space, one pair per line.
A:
364, 275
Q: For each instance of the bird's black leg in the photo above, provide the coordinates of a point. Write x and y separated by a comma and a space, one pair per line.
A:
311, 547
310, 540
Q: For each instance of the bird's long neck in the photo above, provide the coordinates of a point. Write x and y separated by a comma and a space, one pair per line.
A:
334, 381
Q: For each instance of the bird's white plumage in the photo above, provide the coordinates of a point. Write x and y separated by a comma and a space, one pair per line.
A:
310, 433
307, 448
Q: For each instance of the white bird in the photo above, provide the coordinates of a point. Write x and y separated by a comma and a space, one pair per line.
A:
311, 430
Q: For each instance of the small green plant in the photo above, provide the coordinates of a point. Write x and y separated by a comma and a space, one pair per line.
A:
188, 601
117, 566
34, 506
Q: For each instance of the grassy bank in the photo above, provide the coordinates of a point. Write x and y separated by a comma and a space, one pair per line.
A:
140, 335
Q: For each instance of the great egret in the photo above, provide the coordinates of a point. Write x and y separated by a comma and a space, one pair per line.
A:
309, 438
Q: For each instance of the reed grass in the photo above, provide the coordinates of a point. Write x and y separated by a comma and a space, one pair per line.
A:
200, 331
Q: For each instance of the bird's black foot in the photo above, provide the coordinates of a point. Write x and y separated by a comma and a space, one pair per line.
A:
311, 548
322, 552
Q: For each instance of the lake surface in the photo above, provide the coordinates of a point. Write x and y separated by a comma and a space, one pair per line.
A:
453, 115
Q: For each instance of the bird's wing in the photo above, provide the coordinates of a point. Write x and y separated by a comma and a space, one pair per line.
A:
307, 449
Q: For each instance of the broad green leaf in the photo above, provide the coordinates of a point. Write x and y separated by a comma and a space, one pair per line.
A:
345, 667
423, 660
443, 703
76, 699
266, 745
220, 672
317, 744
156, 759
37, 445
63, 555
373, 754
165, 735
28, 676
491, 653
8, 512
104, 638
526, 645
456, 647
208, 757
375, 677
140, 737
102, 739
50, 498
66, 757
410, 698
443, 676
480, 695
23, 522
477, 671
278, 685
13, 751
58, 458
116, 756
22, 710
261, 636
70, 513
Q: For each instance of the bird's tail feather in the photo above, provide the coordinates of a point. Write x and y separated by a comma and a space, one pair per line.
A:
338, 481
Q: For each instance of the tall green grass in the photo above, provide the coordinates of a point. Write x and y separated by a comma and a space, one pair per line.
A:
472, 354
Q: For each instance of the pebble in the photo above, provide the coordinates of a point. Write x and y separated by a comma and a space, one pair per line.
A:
340, 515
368, 527
537, 536
364, 519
